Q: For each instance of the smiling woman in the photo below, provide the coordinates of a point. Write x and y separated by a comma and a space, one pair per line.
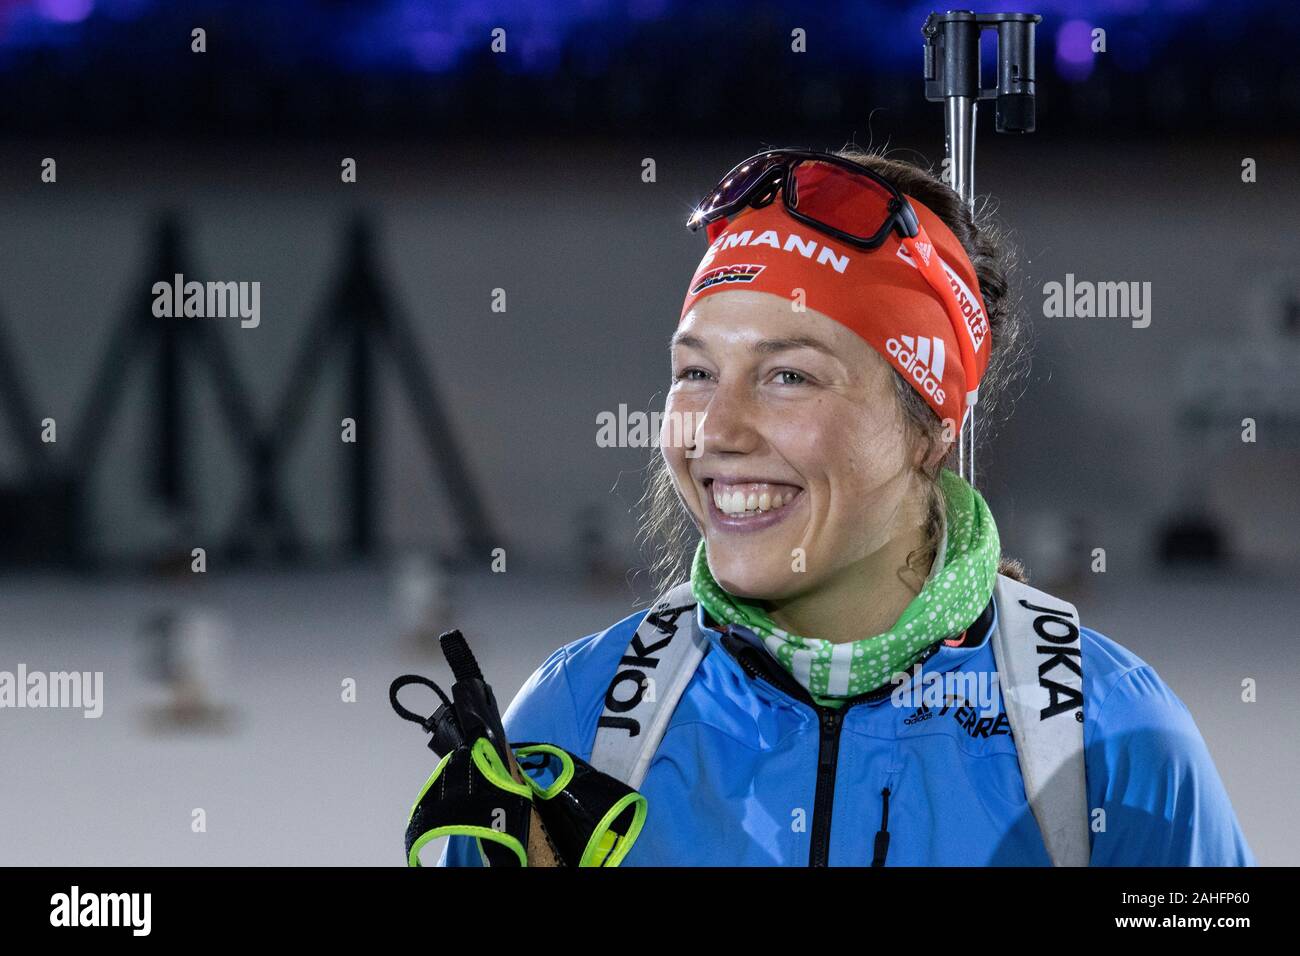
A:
820, 565
821, 379
818, 428
669, 530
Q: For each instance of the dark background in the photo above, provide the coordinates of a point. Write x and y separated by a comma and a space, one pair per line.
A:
522, 171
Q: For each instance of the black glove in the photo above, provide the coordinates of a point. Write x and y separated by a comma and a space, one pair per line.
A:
471, 793
592, 818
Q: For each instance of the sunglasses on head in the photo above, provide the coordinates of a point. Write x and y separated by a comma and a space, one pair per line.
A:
835, 195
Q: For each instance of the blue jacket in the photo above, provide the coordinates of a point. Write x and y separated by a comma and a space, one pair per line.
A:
736, 779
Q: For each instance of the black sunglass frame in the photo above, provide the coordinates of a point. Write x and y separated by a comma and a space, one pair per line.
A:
781, 164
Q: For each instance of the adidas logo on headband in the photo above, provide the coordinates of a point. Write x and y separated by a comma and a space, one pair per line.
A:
922, 358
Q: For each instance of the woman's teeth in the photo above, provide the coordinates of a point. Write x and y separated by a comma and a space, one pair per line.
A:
751, 498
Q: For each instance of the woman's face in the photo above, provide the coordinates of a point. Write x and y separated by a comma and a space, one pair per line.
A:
789, 407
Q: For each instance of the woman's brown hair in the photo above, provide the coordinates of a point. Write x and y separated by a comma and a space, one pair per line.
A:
665, 525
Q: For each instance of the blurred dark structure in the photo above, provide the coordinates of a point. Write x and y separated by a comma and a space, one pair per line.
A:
1192, 539
38, 506
41, 513
169, 345
363, 320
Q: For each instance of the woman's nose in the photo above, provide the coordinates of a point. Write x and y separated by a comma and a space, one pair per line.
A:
727, 424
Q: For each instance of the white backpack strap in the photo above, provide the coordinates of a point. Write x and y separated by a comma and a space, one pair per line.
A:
659, 663
1040, 670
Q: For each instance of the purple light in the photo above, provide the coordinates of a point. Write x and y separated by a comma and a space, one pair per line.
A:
1128, 8
1074, 56
122, 9
434, 51
65, 11
538, 52
646, 9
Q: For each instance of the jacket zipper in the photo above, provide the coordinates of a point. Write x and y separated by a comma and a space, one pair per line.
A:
828, 753
828, 747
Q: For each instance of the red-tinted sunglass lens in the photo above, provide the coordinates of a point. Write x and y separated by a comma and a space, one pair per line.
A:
739, 181
840, 198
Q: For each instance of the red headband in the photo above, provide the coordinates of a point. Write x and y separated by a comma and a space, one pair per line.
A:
879, 293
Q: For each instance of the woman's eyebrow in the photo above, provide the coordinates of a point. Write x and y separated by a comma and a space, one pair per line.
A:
769, 346
765, 347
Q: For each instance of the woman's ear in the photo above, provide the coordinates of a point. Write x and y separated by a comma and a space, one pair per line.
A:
938, 452
930, 452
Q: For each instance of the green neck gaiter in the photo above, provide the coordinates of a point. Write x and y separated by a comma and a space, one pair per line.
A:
953, 596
